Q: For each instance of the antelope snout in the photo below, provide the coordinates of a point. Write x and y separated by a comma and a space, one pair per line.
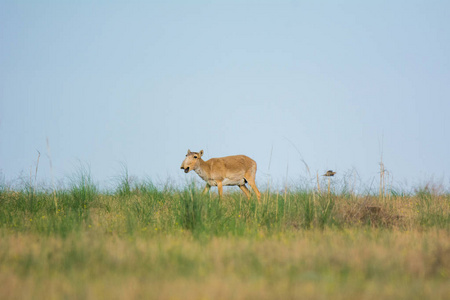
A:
186, 170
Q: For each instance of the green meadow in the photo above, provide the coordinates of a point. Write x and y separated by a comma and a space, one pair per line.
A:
139, 241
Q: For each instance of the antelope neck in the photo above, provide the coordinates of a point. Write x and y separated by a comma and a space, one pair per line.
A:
202, 169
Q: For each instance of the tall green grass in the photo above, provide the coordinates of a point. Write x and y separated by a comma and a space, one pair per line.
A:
140, 207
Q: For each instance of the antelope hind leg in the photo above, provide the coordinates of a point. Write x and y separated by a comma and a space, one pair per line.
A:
245, 190
254, 188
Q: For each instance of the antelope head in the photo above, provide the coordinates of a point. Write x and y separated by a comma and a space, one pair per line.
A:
191, 161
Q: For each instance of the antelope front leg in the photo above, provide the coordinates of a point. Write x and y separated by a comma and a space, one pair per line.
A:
206, 190
219, 186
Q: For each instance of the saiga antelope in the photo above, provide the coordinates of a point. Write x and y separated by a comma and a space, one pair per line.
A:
229, 170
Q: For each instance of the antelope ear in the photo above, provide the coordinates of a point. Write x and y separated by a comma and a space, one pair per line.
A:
200, 153
189, 151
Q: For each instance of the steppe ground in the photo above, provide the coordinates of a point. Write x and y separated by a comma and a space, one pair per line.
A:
138, 241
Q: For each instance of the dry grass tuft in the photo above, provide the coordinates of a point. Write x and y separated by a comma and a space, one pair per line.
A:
370, 211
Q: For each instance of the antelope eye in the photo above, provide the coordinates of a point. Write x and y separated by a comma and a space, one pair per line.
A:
195, 156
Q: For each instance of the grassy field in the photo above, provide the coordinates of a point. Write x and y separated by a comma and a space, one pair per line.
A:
142, 242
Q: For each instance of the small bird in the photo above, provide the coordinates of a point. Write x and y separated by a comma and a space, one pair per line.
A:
329, 173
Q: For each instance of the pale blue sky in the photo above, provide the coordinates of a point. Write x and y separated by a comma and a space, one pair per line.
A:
140, 82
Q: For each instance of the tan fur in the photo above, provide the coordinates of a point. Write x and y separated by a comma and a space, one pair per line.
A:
222, 171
